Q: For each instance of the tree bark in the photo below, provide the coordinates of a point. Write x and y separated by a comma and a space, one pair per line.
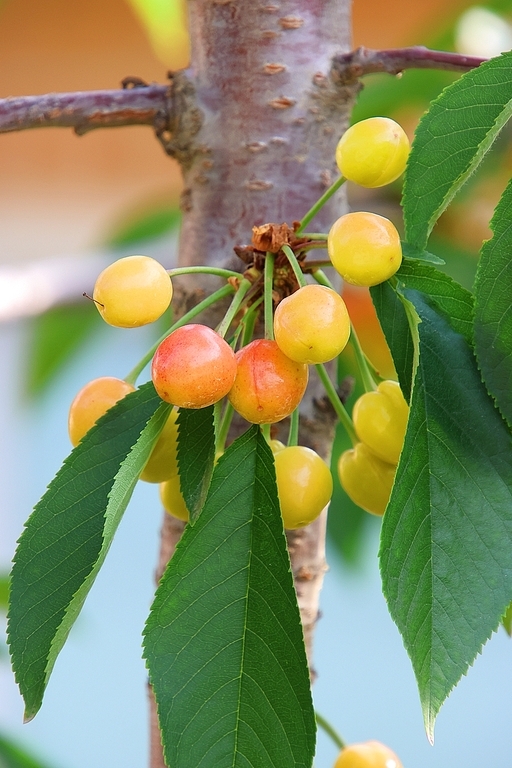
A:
259, 119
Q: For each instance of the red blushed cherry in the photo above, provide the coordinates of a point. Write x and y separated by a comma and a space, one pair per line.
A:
193, 367
268, 385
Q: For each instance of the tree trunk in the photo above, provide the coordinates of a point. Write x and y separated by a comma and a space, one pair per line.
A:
257, 122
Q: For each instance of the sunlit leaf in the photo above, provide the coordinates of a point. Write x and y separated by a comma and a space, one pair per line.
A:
223, 642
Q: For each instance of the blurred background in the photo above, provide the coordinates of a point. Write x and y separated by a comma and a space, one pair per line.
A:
68, 206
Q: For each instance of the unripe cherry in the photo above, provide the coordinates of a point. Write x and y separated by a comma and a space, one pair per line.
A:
133, 291
172, 498
364, 248
369, 754
163, 462
312, 325
373, 152
93, 401
268, 385
193, 367
366, 479
380, 420
304, 485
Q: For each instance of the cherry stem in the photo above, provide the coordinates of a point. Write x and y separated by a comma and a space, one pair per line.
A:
234, 307
362, 363
293, 435
320, 203
224, 426
366, 374
226, 290
315, 235
218, 271
336, 403
265, 431
297, 271
329, 730
268, 287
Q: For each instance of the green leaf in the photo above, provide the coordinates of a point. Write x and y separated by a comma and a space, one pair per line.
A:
417, 254
493, 307
507, 621
392, 316
67, 537
446, 547
151, 224
447, 296
13, 756
55, 336
223, 641
196, 455
451, 141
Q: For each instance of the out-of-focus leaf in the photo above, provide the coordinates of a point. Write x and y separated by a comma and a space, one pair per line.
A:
14, 756
4, 591
223, 641
151, 224
55, 337
165, 25
493, 308
196, 455
452, 140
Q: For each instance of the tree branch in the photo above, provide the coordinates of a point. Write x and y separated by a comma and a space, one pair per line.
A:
86, 110
348, 67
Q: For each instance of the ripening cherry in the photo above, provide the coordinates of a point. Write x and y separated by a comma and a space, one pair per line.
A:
276, 446
93, 401
172, 498
312, 325
369, 754
163, 462
364, 248
373, 152
193, 367
304, 485
133, 291
268, 385
366, 479
380, 420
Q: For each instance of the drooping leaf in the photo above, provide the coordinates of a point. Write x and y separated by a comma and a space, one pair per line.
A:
196, 455
417, 254
451, 141
14, 756
493, 307
55, 336
67, 537
392, 316
223, 642
446, 547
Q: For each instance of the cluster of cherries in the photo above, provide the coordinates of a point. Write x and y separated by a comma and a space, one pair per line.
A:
265, 379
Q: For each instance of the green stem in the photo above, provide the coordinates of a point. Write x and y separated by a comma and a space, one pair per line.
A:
315, 235
224, 426
293, 435
338, 406
268, 286
234, 307
364, 369
218, 271
319, 203
322, 279
329, 730
226, 290
297, 271
265, 430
